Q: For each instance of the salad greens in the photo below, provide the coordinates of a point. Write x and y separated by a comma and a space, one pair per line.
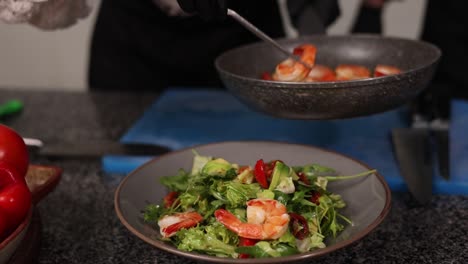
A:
215, 184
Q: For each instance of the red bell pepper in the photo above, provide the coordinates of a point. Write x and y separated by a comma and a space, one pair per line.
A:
170, 198
260, 175
246, 242
269, 167
267, 76
15, 199
13, 150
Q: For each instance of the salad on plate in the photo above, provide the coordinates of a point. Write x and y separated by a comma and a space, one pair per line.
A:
267, 209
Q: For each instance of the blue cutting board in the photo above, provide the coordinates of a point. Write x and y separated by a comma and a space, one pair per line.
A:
182, 118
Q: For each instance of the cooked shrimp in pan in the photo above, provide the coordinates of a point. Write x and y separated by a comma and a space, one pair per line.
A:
345, 72
384, 70
170, 224
266, 219
290, 70
320, 73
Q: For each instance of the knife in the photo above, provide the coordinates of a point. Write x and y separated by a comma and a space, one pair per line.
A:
93, 149
440, 129
413, 152
10, 108
442, 145
425, 143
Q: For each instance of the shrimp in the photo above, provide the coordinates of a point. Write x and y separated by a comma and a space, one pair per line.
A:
266, 219
290, 70
346, 72
170, 224
320, 73
384, 70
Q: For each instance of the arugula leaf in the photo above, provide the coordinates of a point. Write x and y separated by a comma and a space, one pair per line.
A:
314, 170
348, 177
234, 193
212, 239
178, 182
152, 213
264, 249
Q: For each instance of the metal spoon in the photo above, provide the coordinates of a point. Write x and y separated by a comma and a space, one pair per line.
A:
256, 31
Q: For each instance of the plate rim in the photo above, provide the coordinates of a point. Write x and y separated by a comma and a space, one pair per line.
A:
293, 258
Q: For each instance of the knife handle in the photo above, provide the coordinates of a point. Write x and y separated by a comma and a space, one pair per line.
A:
10, 107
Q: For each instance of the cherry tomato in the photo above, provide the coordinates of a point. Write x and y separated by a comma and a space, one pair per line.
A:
13, 150
303, 178
315, 198
299, 226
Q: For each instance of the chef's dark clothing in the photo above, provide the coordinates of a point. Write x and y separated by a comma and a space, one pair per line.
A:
446, 26
135, 46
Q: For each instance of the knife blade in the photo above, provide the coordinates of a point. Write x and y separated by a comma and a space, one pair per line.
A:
441, 111
442, 145
414, 155
440, 127
93, 149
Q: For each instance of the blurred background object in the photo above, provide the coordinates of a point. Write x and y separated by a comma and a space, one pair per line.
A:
30, 58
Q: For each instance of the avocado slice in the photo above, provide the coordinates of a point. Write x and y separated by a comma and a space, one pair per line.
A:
282, 178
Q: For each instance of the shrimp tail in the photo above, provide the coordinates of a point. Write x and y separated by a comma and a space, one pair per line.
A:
245, 230
179, 221
170, 230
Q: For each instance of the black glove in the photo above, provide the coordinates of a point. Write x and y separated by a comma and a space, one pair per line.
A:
206, 9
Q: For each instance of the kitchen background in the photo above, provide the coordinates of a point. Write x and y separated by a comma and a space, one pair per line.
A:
33, 59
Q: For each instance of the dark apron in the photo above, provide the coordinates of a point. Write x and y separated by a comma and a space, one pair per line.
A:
446, 25
137, 47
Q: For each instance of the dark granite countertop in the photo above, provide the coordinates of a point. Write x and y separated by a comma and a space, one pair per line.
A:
80, 224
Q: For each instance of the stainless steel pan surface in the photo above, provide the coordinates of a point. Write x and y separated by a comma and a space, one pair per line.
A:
240, 70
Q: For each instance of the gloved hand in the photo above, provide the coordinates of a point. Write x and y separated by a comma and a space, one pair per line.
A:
44, 14
206, 9
60, 14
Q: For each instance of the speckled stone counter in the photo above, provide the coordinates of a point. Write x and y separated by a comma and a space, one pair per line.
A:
80, 224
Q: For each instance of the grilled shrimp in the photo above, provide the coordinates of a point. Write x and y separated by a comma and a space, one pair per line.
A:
170, 224
347, 72
320, 73
290, 70
266, 219
384, 70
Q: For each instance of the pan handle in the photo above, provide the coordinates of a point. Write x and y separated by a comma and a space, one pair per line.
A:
257, 32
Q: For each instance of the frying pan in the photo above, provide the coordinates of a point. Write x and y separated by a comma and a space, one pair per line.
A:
240, 70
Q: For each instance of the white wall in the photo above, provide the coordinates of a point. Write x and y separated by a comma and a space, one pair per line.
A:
30, 58
401, 17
